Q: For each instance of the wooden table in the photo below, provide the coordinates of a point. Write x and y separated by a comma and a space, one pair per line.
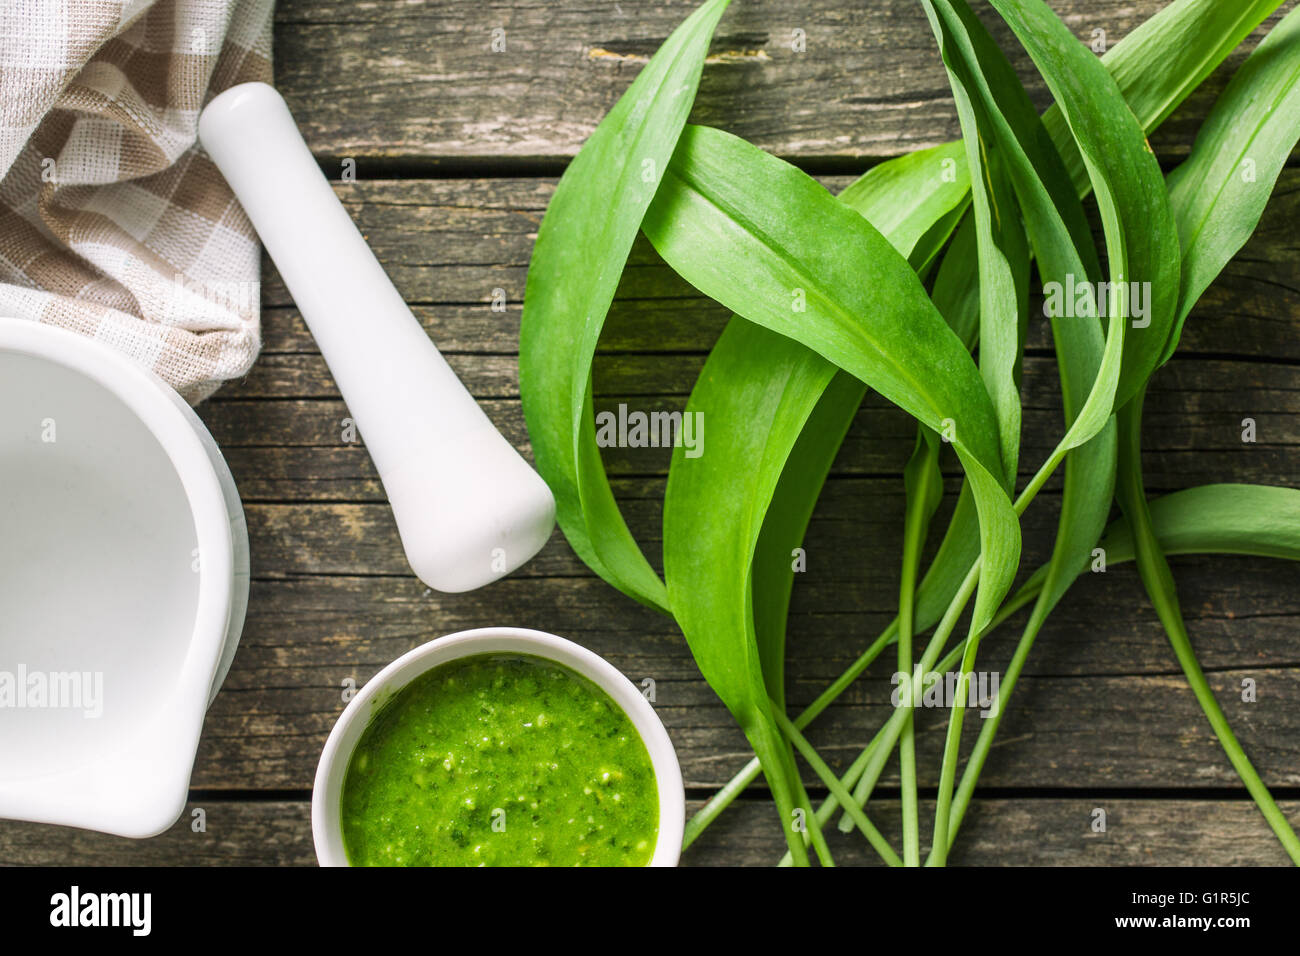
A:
456, 149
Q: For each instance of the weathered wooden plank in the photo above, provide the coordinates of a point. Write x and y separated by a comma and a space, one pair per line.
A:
1209, 385
1241, 611
1009, 832
451, 244
234, 833
1031, 832
386, 80
1103, 703
855, 529
295, 448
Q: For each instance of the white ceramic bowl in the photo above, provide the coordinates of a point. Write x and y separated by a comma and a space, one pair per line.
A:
325, 810
123, 582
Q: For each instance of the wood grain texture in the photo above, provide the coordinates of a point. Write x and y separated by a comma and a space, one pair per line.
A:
1103, 703
1194, 418
410, 89
392, 81
1018, 832
449, 245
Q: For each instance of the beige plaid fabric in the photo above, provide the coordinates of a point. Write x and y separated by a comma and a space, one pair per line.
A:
112, 223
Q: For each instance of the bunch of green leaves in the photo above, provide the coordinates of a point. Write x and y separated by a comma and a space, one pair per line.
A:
829, 301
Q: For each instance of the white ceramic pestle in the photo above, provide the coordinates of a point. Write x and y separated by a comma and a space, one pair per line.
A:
468, 507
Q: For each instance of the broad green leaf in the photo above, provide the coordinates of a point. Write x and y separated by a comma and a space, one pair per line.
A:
1141, 238
1164, 59
1155, 67
1002, 256
1261, 520
1063, 246
582, 246
1054, 217
1218, 195
884, 196
820, 274
996, 113
714, 513
913, 201
956, 291
888, 195
1062, 242
812, 449
1237, 519
907, 197
742, 359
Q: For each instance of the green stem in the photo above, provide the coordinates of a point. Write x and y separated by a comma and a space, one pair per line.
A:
832, 802
876, 763
910, 797
1026, 594
1159, 582
750, 772
827, 775
951, 749
727, 794
768, 741
924, 488
975, 765
815, 834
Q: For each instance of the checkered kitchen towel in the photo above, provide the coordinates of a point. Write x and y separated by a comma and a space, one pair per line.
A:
112, 223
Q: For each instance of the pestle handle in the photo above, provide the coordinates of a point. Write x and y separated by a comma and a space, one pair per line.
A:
469, 509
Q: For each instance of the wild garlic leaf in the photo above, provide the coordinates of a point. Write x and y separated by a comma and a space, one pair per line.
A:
1002, 256
1058, 230
780, 546
581, 249
1141, 237
996, 113
1228, 518
1165, 58
1218, 195
715, 508
803, 429
908, 199
914, 200
817, 272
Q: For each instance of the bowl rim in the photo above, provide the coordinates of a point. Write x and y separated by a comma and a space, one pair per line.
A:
140, 788
356, 716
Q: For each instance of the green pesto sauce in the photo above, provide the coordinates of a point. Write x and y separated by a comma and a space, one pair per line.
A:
500, 760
